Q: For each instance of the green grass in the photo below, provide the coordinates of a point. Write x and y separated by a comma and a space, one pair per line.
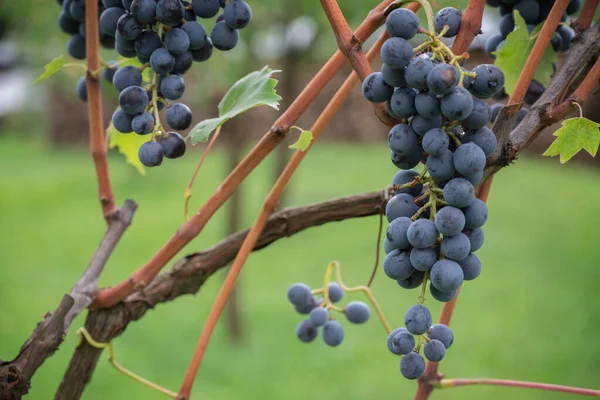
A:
532, 314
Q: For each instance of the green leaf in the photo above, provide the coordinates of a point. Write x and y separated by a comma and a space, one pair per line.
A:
128, 144
575, 134
512, 56
253, 90
51, 68
303, 141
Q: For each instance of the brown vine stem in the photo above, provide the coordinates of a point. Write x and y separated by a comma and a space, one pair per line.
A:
450, 383
470, 26
97, 141
191, 228
584, 21
249, 243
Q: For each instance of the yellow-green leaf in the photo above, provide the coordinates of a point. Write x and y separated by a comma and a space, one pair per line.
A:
51, 68
303, 141
128, 144
575, 134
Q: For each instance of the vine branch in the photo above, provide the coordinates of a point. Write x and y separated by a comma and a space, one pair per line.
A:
584, 21
450, 383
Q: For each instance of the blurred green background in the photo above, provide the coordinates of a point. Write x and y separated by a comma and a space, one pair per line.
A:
532, 314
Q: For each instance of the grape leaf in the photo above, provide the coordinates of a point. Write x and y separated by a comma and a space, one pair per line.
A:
575, 134
253, 90
128, 144
51, 68
512, 56
303, 141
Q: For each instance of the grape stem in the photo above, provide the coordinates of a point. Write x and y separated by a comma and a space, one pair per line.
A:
157, 127
450, 383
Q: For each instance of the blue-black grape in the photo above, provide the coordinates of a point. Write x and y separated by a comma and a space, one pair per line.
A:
67, 24
170, 12
206, 8
396, 233
459, 192
449, 16
457, 104
573, 6
441, 167
402, 139
125, 47
142, 124
81, 89
357, 312
129, 27
122, 121
480, 115
393, 77
421, 124
183, 62
76, 47
144, 11
203, 53
403, 102
223, 37
423, 259
449, 221
396, 52
161, 61
109, 72
435, 142
441, 296
150, 154
471, 266
403, 342
476, 237
127, 76
469, 159
401, 205
434, 350
476, 214
566, 34
507, 24
428, 105
126, 4
442, 333
492, 43
422, 233
299, 294
335, 292
177, 41
407, 176
489, 81
387, 247
133, 100
446, 276
237, 14
318, 316
305, 309
417, 319
408, 161
375, 88
442, 78
417, 71
172, 87
109, 19
413, 281
306, 332
179, 116
494, 111
412, 365
529, 10
455, 248
396, 265
482, 137
196, 34
333, 333
534, 92
390, 340
173, 145
402, 23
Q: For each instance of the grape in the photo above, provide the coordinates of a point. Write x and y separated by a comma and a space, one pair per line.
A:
494, 111
333, 333
442, 78
170, 12
375, 89
142, 123
435, 142
124, 47
412, 365
529, 10
335, 292
144, 11
237, 14
469, 159
441, 296
150, 154
357, 312
423, 259
442, 333
177, 41
306, 332
458, 104
299, 294
441, 167
413, 281
401, 205
305, 309
396, 52
476, 214
388, 108
474, 179
434, 350
479, 116
428, 105
520, 115
476, 238
223, 37
161, 61
133, 100
396, 233
566, 34
126, 4
390, 340
455, 248
146, 43
109, 72
403, 342
77, 10
387, 247
183, 62
196, 34
573, 6
403, 177
67, 24
422, 233
206, 8
393, 77
489, 81
179, 116
396, 265
459, 192
189, 15
417, 319
403, 102
127, 76
318, 316
534, 92
112, 3
122, 121
448, 16
402, 139
449, 221
471, 267
507, 24
204, 53
402, 23
408, 161
172, 87
491, 44
129, 27
446, 275
173, 145
556, 41
76, 47
421, 124
417, 71
81, 89
482, 137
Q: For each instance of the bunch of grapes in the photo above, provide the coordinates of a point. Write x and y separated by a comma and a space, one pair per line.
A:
319, 313
166, 37
435, 219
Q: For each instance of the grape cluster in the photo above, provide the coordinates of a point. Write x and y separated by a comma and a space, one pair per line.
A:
442, 126
533, 12
166, 37
319, 313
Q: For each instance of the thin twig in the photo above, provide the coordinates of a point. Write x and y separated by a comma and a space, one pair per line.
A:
378, 244
450, 383
584, 21
470, 26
